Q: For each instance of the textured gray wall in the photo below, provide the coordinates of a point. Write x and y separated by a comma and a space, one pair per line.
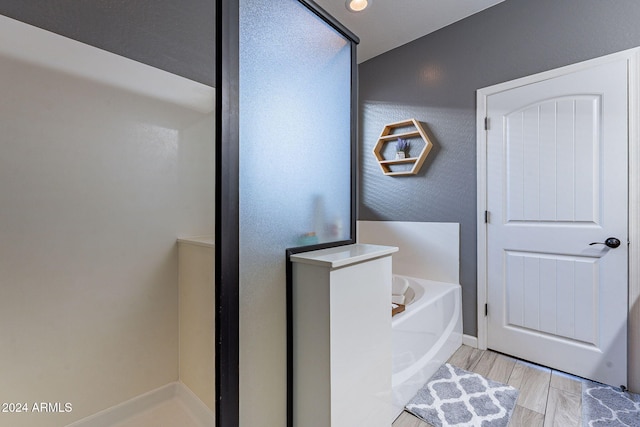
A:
175, 36
434, 80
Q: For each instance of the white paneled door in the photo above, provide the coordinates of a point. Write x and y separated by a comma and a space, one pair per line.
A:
556, 191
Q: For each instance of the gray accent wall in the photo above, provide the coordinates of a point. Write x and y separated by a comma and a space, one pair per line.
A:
175, 36
434, 80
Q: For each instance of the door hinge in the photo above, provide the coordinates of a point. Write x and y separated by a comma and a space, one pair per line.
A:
486, 123
486, 310
486, 217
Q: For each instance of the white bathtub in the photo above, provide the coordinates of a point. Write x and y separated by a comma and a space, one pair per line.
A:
424, 336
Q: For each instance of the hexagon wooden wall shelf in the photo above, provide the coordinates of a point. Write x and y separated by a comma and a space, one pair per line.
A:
387, 136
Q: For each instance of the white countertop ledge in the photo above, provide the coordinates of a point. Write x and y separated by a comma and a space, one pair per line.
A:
343, 256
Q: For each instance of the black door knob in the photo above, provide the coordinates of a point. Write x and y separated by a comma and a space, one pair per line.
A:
612, 242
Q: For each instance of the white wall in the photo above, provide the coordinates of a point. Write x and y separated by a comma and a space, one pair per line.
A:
96, 183
427, 250
196, 269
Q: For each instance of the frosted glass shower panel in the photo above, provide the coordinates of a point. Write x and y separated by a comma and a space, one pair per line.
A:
295, 127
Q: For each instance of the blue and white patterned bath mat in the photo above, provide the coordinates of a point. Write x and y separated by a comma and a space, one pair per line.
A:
606, 406
455, 397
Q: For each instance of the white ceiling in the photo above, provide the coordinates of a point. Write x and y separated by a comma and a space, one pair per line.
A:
387, 24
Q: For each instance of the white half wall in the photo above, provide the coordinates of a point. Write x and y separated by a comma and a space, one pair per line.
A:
96, 182
427, 250
196, 313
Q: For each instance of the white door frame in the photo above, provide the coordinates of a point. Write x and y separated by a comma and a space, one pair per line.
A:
633, 58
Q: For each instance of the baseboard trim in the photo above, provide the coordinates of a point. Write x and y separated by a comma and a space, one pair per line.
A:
196, 407
470, 341
140, 403
128, 408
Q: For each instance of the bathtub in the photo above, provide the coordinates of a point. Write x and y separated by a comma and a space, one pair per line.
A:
424, 336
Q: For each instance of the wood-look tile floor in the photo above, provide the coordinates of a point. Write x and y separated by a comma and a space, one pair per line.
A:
547, 397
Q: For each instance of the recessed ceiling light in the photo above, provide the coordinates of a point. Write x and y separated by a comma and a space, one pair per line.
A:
357, 5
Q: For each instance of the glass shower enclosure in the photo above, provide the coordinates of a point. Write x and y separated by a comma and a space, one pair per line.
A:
286, 179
